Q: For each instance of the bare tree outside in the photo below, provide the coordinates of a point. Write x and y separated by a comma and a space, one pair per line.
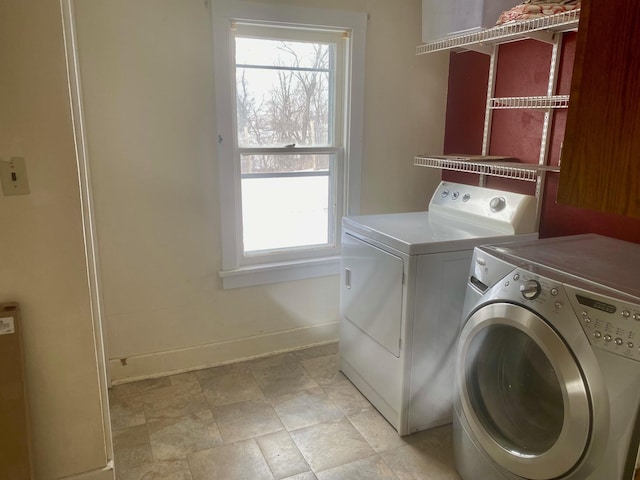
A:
283, 99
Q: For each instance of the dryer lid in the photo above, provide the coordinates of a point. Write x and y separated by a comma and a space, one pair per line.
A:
460, 217
420, 233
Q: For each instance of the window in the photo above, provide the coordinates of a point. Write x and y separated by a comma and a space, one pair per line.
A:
289, 88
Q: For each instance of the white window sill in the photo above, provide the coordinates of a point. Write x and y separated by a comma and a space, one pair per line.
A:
265, 273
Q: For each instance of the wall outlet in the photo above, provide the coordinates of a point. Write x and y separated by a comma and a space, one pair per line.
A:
13, 176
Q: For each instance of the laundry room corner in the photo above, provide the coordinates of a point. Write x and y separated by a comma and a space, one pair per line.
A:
152, 150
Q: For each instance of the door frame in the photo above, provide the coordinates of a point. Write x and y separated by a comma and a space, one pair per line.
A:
88, 215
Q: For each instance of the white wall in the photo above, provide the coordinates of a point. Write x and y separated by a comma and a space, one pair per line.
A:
42, 264
147, 76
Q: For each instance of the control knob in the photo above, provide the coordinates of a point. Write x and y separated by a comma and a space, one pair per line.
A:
497, 204
531, 289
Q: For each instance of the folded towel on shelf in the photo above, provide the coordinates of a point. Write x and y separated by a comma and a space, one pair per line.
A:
537, 9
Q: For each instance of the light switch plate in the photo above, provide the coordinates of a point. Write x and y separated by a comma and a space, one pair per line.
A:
13, 176
7, 326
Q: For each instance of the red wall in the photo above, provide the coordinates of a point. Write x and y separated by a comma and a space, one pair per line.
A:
523, 70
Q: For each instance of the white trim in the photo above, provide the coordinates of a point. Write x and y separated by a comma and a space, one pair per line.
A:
172, 362
107, 473
311, 16
253, 275
228, 190
88, 216
223, 12
355, 112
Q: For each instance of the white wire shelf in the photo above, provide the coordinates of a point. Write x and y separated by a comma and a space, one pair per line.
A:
492, 166
555, 101
509, 32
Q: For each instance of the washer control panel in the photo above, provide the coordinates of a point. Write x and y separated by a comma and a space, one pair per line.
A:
609, 323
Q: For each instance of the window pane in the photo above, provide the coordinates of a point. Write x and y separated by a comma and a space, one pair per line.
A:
286, 201
284, 95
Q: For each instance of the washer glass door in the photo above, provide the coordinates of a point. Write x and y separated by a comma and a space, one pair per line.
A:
522, 392
515, 390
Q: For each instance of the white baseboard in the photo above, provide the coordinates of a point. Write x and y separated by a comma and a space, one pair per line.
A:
106, 473
202, 356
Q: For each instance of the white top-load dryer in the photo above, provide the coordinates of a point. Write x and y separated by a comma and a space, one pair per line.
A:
403, 281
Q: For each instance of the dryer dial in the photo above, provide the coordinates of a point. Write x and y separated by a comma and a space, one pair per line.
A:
497, 204
531, 289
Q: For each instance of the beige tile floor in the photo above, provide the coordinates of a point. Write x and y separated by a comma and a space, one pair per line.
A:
291, 416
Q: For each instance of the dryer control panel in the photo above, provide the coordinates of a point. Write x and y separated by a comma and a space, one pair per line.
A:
609, 323
507, 212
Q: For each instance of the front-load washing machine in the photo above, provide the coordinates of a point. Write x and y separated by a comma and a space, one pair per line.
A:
402, 289
548, 361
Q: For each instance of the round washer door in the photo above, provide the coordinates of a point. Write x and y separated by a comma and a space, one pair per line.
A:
522, 392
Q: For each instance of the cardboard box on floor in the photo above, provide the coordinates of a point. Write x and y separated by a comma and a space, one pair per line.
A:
15, 460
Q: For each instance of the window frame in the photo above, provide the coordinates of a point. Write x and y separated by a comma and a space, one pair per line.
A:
239, 270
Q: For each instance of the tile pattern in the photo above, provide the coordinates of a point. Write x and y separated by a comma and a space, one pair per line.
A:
291, 416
